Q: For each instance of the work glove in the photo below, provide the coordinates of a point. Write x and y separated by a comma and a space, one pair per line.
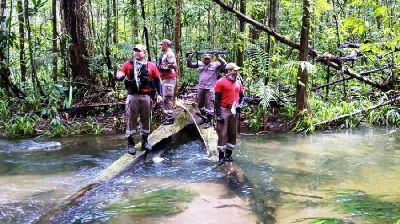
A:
159, 99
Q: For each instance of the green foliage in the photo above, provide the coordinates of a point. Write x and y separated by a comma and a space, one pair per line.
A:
370, 207
22, 126
160, 202
322, 220
386, 115
371, 23
289, 110
89, 126
4, 109
256, 117
57, 128
305, 123
327, 221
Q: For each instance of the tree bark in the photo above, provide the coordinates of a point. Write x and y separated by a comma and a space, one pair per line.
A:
302, 75
55, 36
115, 22
272, 21
5, 73
134, 20
21, 30
76, 20
145, 30
242, 27
35, 79
30, 50
107, 45
177, 39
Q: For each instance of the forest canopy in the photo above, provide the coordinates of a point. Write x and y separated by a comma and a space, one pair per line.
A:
318, 60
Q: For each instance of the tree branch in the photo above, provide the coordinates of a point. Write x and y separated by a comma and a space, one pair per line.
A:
285, 40
394, 99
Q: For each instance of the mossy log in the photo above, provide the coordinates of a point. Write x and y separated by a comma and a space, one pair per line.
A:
158, 138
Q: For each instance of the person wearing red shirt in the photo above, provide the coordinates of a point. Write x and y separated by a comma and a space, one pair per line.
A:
141, 78
167, 66
228, 99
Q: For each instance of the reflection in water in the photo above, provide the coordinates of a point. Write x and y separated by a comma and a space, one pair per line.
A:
293, 174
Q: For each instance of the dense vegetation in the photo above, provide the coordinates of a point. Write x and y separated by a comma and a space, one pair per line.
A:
59, 54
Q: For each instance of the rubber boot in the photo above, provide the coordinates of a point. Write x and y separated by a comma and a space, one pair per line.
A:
228, 155
208, 122
145, 144
131, 146
221, 156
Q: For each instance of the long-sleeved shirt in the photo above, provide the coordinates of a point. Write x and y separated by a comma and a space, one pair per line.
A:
167, 64
207, 73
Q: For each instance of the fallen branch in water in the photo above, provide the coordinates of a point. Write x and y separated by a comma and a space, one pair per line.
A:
336, 119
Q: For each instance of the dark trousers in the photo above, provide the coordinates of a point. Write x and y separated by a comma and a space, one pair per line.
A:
227, 131
137, 105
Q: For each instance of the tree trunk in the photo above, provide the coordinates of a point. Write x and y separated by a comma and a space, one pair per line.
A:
54, 41
28, 29
302, 75
134, 20
21, 30
35, 79
77, 25
177, 38
107, 47
145, 30
115, 22
272, 21
5, 73
242, 27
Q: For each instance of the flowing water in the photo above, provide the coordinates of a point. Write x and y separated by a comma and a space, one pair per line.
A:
289, 178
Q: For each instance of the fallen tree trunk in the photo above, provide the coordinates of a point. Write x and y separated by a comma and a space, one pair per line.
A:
186, 121
394, 99
124, 163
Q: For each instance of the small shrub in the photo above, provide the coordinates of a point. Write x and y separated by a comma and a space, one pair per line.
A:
22, 126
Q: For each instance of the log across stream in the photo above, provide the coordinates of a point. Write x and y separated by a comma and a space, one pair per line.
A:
186, 122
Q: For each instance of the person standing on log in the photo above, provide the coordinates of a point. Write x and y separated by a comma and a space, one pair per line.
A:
208, 71
228, 100
142, 79
167, 65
